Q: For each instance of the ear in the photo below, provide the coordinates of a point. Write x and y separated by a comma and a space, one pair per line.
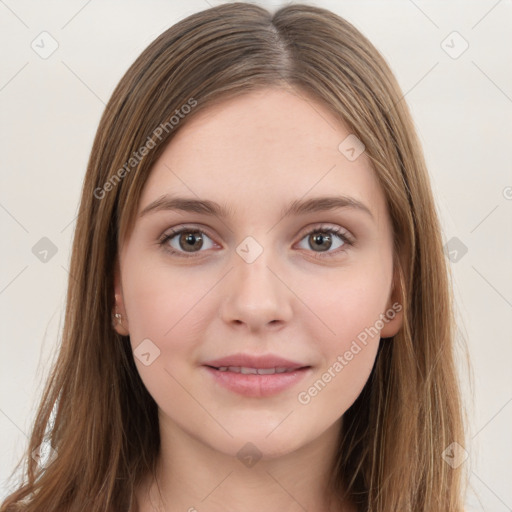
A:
120, 324
394, 313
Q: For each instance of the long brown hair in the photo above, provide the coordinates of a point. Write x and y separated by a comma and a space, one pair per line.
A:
95, 411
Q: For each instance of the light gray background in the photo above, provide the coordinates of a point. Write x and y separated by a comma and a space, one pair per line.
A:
462, 107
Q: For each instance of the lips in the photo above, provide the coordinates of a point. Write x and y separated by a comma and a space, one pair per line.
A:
248, 364
256, 376
249, 370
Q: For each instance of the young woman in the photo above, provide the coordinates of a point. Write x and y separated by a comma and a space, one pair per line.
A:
260, 315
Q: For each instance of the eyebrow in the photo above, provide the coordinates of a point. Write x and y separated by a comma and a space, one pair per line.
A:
297, 207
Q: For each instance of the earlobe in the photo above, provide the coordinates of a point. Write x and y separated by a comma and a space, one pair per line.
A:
393, 320
394, 314
119, 318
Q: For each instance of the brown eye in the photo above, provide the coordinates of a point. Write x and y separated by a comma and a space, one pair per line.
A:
321, 240
184, 241
190, 240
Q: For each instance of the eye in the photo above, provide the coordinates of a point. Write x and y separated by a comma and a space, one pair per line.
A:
323, 238
189, 241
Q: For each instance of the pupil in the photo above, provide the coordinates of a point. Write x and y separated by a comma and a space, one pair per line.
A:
320, 238
192, 240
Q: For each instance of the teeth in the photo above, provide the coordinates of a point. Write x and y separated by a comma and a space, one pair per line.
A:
266, 371
259, 371
245, 370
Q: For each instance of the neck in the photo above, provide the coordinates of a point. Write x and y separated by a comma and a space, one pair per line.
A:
192, 476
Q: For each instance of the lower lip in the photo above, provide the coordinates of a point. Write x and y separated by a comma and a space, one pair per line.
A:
256, 385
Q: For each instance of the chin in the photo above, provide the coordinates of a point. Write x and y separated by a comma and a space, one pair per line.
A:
259, 444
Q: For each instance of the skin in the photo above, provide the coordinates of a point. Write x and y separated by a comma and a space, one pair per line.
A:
255, 154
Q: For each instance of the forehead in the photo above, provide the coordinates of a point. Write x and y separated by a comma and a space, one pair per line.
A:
264, 148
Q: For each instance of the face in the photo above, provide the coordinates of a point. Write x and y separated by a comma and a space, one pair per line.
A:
314, 286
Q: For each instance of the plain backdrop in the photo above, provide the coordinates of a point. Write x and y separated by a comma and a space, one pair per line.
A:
453, 60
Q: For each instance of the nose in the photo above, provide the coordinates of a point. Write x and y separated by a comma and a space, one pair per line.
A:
256, 294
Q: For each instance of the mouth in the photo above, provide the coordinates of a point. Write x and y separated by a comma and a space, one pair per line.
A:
256, 382
257, 371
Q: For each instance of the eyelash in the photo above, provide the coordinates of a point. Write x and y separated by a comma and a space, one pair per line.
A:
348, 242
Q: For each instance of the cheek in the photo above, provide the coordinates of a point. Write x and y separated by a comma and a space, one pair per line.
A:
350, 303
164, 307
158, 298
168, 307
351, 312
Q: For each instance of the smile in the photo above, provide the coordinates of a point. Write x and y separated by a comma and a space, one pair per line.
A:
246, 371
256, 382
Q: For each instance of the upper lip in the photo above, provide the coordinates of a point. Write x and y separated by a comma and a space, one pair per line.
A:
248, 361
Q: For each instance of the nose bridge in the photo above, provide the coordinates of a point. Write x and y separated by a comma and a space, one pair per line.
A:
256, 295
253, 262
